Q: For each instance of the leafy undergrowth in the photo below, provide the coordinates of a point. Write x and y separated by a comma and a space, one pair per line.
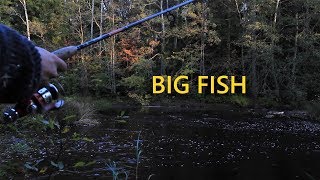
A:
34, 146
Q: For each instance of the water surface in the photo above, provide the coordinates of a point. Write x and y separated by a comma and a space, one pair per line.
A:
217, 142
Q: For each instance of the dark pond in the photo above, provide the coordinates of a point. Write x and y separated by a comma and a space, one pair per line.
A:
217, 142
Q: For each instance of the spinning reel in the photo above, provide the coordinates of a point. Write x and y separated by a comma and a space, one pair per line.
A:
45, 99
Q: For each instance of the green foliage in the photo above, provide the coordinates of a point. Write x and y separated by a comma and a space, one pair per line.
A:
79, 137
37, 122
141, 99
140, 80
20, 147
81, 164
136, 82
71, 81
215, 38
240, 100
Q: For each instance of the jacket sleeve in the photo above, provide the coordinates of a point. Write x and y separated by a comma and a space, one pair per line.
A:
20, 66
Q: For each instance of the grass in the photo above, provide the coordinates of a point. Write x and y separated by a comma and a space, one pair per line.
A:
117, 171
80, 111
138, 153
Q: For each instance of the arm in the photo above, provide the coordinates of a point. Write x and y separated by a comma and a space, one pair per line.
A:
23, 66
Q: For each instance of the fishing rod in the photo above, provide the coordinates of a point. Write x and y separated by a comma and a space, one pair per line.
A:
67, 52
47, 98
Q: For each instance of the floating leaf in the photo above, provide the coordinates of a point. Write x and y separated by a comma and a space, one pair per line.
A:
43, 170
121, 121
76, 137
58, 165
87, 139
79, 164
30, 167
39, 161
91, 163
122, 113
70, 118
83, 164
54, 164
65, 130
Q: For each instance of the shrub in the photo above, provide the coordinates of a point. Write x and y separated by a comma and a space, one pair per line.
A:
240, 100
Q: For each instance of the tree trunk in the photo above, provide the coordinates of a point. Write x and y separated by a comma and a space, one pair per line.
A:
276, 13
229, 42
203, 38
24, 4
254, 84
101, 25
238, 9
113, 51
254, 55
273, 69
242, 46
92, 18
84, 72
163, 43
294, 61
175, 39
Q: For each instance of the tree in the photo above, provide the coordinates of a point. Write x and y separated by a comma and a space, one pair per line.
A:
24, 4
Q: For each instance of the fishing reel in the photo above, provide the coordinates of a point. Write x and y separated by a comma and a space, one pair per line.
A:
45, 99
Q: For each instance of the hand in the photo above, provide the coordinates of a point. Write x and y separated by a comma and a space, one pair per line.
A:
50, 65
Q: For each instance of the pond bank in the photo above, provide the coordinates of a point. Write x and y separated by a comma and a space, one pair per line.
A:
303, 112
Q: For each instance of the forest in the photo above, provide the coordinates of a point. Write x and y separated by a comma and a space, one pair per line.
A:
112, 126
275, 43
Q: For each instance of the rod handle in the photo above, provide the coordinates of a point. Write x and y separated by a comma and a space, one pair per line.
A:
66, 52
